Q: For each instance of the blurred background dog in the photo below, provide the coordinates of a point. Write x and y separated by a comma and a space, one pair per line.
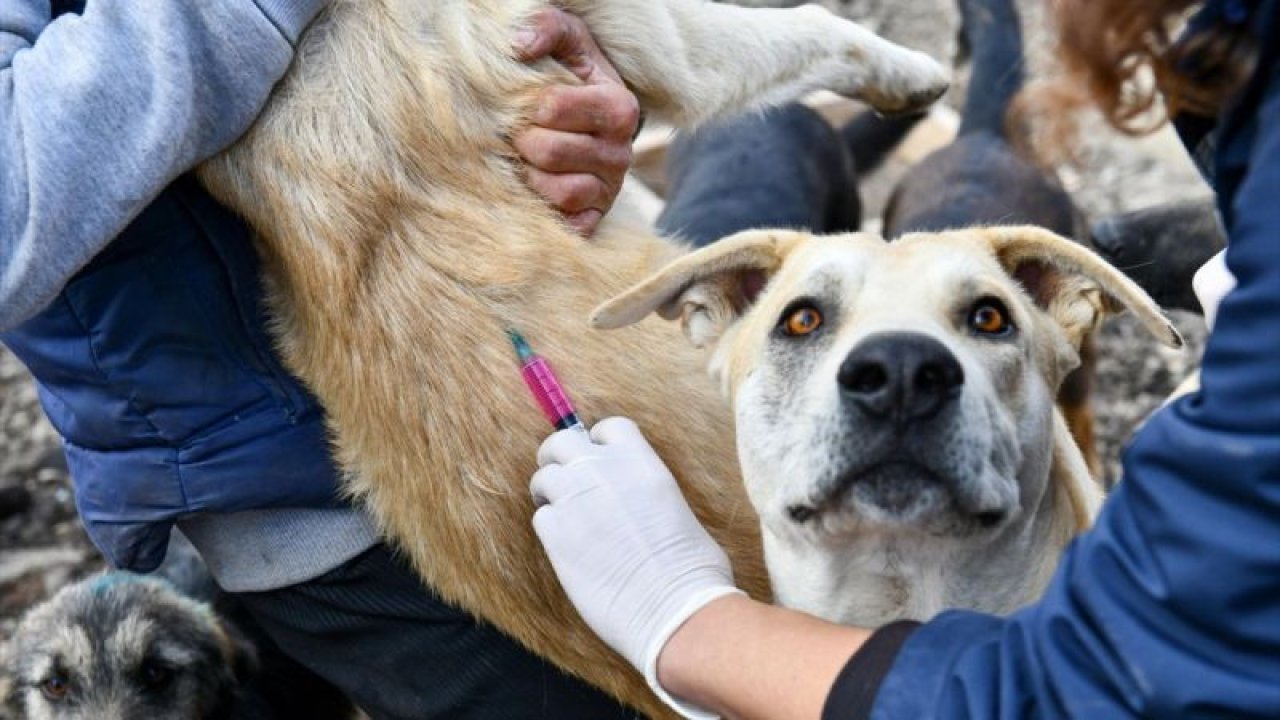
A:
120, 646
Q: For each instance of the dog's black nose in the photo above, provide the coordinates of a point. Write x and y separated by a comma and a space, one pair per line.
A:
901, 375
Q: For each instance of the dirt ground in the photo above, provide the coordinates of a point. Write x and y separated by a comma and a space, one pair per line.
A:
42, 545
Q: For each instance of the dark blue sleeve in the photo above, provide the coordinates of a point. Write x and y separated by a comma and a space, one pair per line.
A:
1170, 606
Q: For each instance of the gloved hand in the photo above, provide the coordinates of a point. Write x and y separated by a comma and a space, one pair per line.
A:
1211, 283
626, 547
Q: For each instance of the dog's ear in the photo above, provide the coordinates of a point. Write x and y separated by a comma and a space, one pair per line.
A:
707, 289
1076, 287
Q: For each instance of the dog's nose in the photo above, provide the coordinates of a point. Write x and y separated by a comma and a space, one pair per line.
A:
899, 375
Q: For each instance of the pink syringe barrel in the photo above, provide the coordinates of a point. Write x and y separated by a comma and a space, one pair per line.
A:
550, 394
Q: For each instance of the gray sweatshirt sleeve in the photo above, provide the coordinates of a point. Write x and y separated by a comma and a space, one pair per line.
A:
100, 111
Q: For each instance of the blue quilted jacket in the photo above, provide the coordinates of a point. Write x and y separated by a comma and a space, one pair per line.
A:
130, 294
155, 366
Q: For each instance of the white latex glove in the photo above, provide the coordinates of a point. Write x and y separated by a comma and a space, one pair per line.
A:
626, 547
1211, 283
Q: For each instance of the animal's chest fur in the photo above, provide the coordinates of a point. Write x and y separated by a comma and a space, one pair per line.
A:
865, 587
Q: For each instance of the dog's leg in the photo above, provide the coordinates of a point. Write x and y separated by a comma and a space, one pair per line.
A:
690, 60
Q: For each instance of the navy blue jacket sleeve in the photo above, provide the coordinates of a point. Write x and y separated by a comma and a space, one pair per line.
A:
1170, 606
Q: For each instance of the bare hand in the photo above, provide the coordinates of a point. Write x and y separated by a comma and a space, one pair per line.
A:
579, 145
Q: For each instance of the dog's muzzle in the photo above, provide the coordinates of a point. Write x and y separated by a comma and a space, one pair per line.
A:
901, 395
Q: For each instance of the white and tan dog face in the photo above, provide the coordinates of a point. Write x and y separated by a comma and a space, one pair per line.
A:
891, 388
902, 392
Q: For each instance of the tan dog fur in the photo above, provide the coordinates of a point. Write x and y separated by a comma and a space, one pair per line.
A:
400, 243
798, 440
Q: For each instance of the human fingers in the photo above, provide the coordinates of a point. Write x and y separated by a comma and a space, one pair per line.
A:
564, 446
580, 175
572, 193
621, 436
585, 223
566, 39
619, 431
554, 151
606, 110
554, 483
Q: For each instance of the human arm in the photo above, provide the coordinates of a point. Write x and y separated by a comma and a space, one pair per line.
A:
745, 659
633, 558
100, 111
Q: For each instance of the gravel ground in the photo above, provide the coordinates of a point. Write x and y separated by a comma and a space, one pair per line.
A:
42, 545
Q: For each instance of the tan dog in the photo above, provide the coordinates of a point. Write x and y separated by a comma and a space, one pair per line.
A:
400, 244
895, 406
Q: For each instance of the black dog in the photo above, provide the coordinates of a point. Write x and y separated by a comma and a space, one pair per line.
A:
1161, 247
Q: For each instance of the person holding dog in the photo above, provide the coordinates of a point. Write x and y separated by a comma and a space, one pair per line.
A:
135, 300
1168, 607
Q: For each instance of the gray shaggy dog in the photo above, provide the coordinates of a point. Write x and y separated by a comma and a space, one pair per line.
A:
118, 646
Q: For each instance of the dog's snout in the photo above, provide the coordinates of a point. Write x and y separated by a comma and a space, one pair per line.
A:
903, 376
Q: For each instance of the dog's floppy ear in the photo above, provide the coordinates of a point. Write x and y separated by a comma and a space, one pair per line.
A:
1076, 287
707, 289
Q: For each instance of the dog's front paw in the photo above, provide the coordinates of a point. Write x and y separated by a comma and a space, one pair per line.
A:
902, 82
887, 76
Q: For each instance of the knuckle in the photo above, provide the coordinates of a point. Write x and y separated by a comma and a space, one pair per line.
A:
542, 23
617, 157
575, 25
619, 113
559, 155
531, 145
578, 192
542, 17
554, 20
545, 186
628, 110
587, 221
553, 105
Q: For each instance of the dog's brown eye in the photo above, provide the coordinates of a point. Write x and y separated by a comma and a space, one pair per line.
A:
802, 321
154, 675
990, 317
55, 688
